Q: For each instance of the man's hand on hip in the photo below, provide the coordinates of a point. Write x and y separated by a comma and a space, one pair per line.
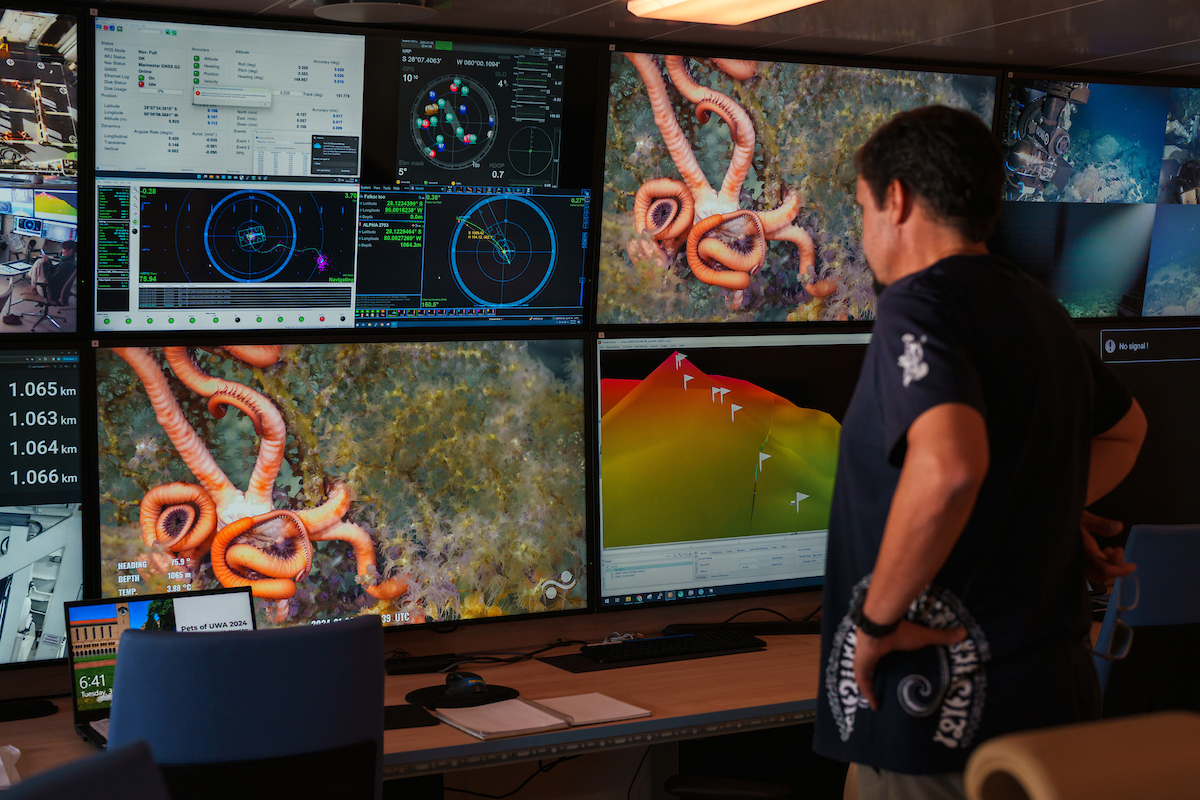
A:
1102, 565
909, 636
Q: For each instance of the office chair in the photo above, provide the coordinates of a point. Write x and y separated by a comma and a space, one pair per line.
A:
46, 300
1161, 604
292, 712
128, 773
1151, 755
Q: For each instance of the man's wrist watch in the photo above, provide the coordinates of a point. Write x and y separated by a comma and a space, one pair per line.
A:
872, 629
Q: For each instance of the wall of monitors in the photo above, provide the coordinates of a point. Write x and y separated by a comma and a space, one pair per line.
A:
407, 215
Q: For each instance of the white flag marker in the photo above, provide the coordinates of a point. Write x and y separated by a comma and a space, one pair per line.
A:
799, 498
679, 357
733, 409
686, 378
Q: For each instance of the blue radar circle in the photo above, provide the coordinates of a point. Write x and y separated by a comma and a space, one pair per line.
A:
250, 236
503, 251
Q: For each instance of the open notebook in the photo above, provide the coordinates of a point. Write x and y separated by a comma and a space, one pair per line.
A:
519, 717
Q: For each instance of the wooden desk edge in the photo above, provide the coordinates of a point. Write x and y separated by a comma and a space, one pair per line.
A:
616, 735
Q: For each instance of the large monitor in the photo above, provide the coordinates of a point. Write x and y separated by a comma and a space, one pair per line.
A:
1160, 363
1102, 192
41, 527
39, 164
717, 461
753, 220
426, 482
253, 178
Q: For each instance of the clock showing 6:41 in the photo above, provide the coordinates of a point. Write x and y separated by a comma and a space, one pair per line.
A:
98, 681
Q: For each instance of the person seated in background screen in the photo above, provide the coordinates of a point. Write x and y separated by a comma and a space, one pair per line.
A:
955, 603
47, 279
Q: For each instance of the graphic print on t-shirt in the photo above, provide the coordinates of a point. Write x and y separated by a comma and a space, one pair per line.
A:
950, 682
913, 359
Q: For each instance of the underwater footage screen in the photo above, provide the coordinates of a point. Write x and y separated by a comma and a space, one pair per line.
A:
729, 185
1102, 200
424, 482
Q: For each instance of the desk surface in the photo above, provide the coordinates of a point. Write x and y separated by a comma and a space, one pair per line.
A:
689, 699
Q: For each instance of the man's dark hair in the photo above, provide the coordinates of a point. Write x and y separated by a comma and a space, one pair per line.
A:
947, 158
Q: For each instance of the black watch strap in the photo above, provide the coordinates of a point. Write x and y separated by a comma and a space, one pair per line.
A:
872, 629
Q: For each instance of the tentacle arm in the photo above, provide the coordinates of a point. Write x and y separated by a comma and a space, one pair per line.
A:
268, 423
268, 553
329, 513
779, 218
700, 253
256, 355
741, 129
179, 517
364, 557
664, 117
664, 208
737, 68
170, 416
808, 258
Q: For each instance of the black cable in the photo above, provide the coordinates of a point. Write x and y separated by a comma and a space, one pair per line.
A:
785, 617
629, 794
812, 614
540, 769
508, 658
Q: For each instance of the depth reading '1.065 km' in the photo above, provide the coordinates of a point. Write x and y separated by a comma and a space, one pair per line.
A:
39, 427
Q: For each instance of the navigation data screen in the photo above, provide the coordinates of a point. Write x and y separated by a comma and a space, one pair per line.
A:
470, 257
200, 100
480, 115
41, 526
227, 176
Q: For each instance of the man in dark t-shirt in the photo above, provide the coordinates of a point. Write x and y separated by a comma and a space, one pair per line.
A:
981, 425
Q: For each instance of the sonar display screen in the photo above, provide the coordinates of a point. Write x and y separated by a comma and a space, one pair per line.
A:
467, 258
245, 236
480, 114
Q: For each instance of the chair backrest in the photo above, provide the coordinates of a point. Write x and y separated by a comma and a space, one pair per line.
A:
1168, 573
239, 696
64, 296
127, 773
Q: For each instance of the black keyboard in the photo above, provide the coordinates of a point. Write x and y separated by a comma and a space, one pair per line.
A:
670, 648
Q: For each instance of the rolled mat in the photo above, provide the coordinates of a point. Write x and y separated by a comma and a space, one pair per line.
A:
1149, 755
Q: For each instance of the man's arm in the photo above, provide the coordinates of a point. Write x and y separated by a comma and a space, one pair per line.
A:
1113, 455
945, 463
1114, 452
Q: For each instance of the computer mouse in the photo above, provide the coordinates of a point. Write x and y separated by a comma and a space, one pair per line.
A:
459, 684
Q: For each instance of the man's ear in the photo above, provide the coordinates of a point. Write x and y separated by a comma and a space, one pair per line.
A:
899, 202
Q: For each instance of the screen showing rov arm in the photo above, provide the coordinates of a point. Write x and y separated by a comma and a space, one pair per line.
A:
199, 100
